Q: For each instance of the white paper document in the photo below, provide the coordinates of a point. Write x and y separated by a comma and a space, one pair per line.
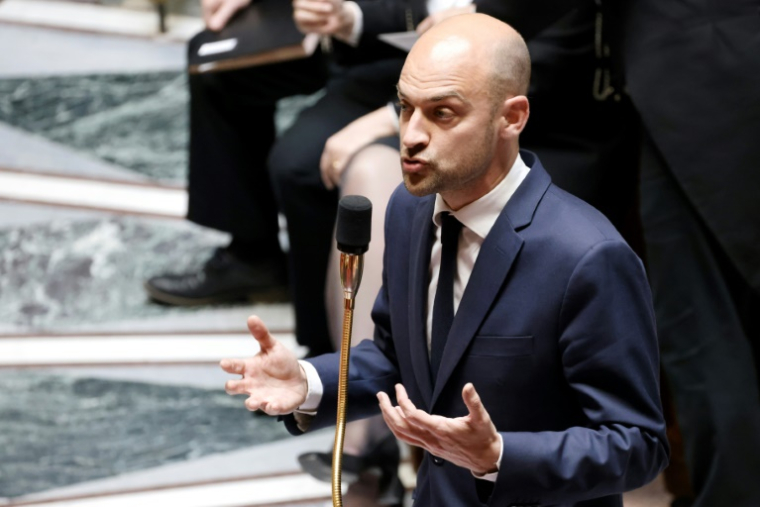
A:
401, 40
220, 46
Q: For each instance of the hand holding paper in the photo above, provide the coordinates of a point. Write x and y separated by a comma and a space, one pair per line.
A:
324, 17
216, 13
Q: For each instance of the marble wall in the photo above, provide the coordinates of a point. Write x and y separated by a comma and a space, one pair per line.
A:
57, 430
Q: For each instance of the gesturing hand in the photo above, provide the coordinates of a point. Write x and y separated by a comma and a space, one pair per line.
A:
470, 442
272, 379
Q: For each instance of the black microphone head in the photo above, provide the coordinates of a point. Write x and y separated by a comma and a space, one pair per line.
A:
354, 224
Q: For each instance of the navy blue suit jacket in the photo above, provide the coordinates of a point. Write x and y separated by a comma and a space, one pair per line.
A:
555, 330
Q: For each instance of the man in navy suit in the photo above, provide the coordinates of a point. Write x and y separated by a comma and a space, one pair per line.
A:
515, 336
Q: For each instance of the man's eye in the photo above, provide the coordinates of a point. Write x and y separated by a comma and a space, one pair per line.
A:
401, 106
443, 113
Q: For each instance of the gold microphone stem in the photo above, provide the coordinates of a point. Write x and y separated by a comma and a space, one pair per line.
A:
351, 267
340, 427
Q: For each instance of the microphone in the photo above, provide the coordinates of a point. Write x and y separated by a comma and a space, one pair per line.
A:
353, 236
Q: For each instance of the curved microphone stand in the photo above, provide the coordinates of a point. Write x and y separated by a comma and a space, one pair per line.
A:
353, 235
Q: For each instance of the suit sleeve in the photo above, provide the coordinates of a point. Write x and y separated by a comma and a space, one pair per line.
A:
609, 356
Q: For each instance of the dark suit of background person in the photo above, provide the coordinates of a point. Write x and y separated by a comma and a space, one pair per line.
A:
693, 72
556, 332
232, 132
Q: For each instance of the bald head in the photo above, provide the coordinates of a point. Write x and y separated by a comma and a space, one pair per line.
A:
493, 49
463, 107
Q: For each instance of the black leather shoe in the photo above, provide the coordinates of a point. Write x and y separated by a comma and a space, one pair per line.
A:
383, 458
319, 466
223, 278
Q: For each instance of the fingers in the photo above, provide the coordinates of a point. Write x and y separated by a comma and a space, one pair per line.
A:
253, 404
334, 160
394, 418
310, 19
423, 421
261, 333
233, 365
222, 14
312, 15
425, 25
474, 404
314, 6
208, 7
233, 387
324, 167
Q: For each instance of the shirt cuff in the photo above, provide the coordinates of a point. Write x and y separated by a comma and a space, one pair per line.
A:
495, 475
314, 389
356, 31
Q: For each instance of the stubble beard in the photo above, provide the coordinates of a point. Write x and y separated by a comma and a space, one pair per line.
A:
450, 175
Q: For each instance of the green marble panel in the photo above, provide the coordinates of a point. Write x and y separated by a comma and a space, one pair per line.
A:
58, 274
137, 121
56, 430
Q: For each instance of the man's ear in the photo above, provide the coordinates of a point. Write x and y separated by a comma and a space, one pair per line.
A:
514, 116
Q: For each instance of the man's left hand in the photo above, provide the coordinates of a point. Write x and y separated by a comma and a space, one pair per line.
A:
470, 442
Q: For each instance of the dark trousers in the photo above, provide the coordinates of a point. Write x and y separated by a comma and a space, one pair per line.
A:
240, 176
708, 328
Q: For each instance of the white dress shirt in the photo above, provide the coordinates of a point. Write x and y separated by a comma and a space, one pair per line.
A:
477, 218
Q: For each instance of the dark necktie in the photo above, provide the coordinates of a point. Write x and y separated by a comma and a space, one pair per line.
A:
443, 307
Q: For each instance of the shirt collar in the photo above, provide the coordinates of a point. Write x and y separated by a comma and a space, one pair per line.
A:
480, 215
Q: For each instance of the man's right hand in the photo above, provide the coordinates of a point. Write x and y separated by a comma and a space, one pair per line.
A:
272, 379
216, 13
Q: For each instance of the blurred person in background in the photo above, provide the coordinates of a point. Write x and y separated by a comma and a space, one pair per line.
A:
233, 154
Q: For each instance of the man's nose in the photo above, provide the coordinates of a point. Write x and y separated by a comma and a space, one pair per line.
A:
415, 133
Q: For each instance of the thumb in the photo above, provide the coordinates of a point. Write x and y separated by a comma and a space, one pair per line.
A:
474, 404
324, 169
261, 333
219, 19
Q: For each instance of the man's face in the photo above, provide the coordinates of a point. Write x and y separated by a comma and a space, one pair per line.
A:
447, 123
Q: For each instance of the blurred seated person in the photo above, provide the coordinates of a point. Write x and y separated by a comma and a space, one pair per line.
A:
232, 133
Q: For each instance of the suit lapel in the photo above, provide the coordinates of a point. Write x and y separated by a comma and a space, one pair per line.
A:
421, 244
496, 257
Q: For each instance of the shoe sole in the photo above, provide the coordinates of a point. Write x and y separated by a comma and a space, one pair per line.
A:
322, 472
271, 295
